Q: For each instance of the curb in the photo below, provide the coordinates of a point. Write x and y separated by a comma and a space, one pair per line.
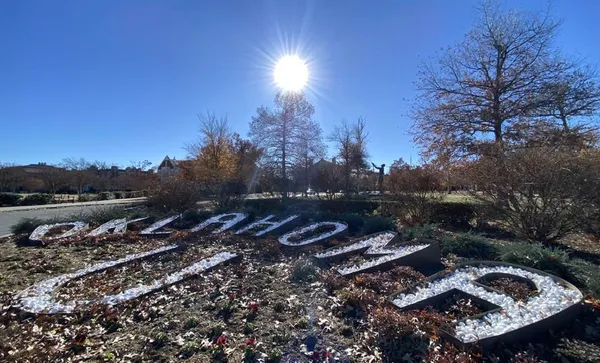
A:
67, 205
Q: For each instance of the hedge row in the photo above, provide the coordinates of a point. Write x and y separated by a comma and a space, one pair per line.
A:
11, 199
299, 205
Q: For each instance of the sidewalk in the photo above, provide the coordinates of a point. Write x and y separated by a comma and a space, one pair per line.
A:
77, 204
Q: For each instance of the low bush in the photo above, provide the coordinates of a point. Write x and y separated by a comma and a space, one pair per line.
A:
541, 194
536, 255
194, 215
378, 224
304, 271
424, 231
36, 199
468, 245
9, 199
265, 206
99, 215
119, 195
104, 196
25, 225
347, 206
453, 215
86, 198
325, 206
587, 274
175, 194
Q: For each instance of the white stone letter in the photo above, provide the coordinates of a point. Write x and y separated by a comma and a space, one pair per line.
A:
118, 226
227, 220
151, 231
374, 245
42, 230
271, 225
338, 227
553, 296
39, 297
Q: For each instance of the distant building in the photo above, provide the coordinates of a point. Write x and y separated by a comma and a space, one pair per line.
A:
167, 168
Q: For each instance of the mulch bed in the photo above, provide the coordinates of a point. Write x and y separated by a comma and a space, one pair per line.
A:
518, 290
253, 303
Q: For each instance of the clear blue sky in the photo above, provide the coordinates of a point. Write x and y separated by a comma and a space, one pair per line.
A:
123, 80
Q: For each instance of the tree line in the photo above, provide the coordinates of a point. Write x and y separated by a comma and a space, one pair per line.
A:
285, 153
503, 115
75, 176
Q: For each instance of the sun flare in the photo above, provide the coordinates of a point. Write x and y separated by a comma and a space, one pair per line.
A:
291, 73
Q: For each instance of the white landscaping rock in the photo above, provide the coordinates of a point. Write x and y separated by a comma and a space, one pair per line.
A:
170, 279
285, 239
118, 226
152, 230
271, 225
223, 219
552, 299
374, 243
42, 230
38, 298
393, 254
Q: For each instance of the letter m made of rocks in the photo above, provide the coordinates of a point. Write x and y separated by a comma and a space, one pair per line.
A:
386, 252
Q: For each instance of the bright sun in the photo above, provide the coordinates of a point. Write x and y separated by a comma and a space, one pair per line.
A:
291, 73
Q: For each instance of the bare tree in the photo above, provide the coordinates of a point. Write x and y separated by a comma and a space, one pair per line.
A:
54, 177
479, 89
220, 161
278, 133
310, 149
214, 139
328, 179
350, 141
572, 99
140, 165
9, 177
79, 170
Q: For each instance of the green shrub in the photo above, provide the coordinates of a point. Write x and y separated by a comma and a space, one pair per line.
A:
468, 245
347, 206
455, 215
99, 215
194, 215
378, 224
36, 199
85, 198
26, 225
536, 255
424, 231
265, 206
119, 195
104, 196
300, 205
9, 199
304, 271
587, 274
176, 194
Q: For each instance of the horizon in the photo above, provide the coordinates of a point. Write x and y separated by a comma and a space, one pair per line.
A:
124, 82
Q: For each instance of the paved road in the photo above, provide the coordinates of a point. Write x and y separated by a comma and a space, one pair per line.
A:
8, 218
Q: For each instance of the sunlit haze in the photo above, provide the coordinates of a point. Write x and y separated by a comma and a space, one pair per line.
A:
291, 73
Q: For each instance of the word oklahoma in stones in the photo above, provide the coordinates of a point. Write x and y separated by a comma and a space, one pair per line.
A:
555, 301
